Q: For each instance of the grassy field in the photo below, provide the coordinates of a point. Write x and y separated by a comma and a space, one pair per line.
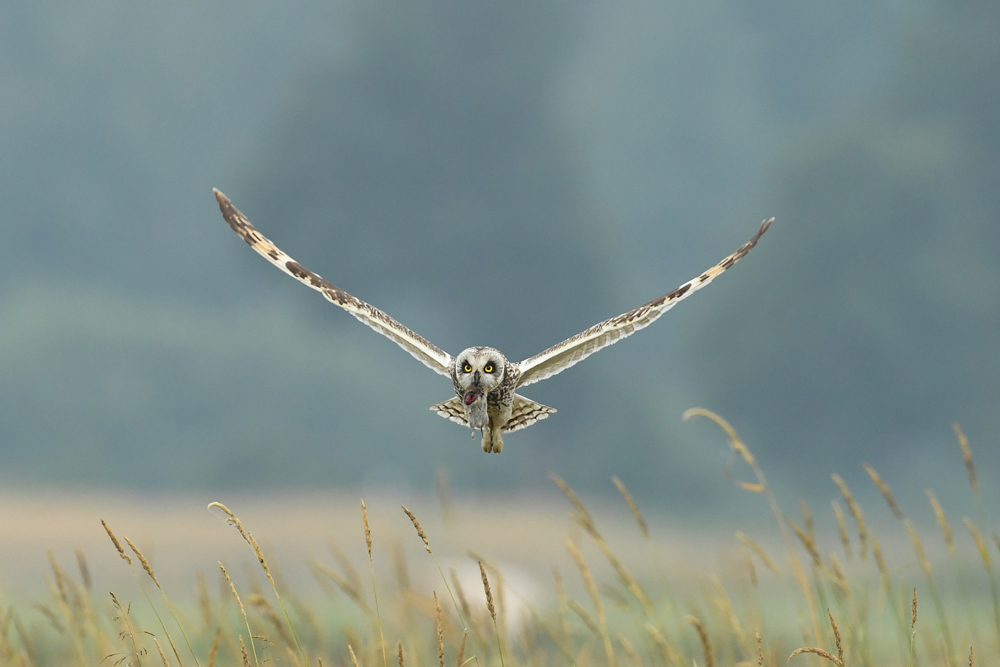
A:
451, 581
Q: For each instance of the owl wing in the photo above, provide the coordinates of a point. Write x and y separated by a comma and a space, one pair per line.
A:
431, 355
573, 350
524, 412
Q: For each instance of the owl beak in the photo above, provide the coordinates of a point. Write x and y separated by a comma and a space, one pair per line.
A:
475, 378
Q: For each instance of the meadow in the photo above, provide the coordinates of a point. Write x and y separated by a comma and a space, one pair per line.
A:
509, 582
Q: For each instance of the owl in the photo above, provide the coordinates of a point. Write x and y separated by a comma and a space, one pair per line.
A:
484, 380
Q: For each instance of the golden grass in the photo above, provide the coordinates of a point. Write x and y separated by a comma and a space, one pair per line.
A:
628, 606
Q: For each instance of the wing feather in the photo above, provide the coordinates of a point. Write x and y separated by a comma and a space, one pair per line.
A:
524, 412
431, 355
574, 350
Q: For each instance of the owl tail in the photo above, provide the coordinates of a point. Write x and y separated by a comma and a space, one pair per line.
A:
524, 412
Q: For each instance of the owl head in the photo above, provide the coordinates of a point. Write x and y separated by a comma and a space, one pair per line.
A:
478, 371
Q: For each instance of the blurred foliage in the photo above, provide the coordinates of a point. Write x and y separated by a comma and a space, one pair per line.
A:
504, 175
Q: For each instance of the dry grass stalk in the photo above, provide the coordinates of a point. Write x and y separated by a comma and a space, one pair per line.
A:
841, 577
667, 652
489, 594
836, 637
51, 616
855, 511
438, 621
399, 645
118, 546
267, 611
59, 578
971, 662
460, 593
582, 516
886, 491
588, 581
761, 554
142, 559
371, 563
215, 648
243, 613
368, 532
489, 605
942, 521
344, 585
751, 569
726, 606
632, 506
243, 650
880, 559
420, 530
232, 520
249, 538
204, 601
623, 574
835, 659
918, 547
970, 467
760, 651
817, 651
354, 658
984, 553
913, 619
160, 649
703, 637
808, 542
629, 650
461, 650
585, 617
845, 537
81, 563
807, 520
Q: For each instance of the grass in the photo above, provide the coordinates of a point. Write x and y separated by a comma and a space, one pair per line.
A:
617, 602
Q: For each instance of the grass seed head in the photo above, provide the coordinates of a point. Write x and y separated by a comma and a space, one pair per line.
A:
142, 559
489, 595
420, 530
984, 553
118, 546
368, 533
970, 467
855, 510
703, 637
886, 491
942, 521
627, 497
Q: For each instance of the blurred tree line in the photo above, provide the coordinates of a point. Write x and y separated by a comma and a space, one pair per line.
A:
504, 175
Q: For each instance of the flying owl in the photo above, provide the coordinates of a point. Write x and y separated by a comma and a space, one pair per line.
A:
484, 380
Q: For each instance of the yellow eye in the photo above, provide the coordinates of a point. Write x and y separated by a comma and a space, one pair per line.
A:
468, 368
489, 368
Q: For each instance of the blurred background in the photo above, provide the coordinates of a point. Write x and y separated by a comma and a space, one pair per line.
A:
505, 174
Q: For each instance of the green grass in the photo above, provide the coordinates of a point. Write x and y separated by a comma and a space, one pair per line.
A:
613, 604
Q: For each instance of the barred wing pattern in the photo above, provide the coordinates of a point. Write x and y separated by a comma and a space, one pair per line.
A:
574, 350
431, 355
524, 413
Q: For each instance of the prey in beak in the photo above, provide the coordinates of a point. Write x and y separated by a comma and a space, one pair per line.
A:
476, 405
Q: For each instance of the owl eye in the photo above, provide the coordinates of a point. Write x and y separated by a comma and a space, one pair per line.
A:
468, 368
488, 368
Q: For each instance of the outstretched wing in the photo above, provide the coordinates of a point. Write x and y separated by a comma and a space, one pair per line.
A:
431, 355
573, 350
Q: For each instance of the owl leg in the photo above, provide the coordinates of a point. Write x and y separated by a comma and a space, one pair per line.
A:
497, 440
488, 440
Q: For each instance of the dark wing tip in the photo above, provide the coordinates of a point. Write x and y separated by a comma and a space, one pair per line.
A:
224, 203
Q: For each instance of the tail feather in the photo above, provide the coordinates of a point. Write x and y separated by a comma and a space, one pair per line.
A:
524, 413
